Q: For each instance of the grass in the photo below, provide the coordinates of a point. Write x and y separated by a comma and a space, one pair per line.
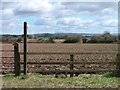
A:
49, 81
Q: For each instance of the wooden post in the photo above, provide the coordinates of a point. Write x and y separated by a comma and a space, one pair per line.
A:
16, 59
118, 64
25, 48
71, 65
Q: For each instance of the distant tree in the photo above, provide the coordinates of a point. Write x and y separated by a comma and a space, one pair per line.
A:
19, 40
93, 39
118, 39
106, 33
50, 40
84, 39
108, 38
30, 36
60, 37
73, 39
47, 35
104, 38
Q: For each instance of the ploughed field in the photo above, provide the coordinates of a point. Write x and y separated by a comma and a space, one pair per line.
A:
36, 47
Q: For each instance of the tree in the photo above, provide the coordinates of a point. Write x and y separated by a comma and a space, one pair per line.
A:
51, 40
106, 33
19, 39
73, 39
104, 38
84, 39
30, 36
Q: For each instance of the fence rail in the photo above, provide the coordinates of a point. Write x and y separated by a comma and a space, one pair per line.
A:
71, 71
7, 66
6, 50
64, 63
7, 42
69, 53
7, 57
71, 62
7, 63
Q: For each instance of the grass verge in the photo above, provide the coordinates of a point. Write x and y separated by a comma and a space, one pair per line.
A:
49, 81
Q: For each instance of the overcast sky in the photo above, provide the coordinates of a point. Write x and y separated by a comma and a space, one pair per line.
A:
53, 16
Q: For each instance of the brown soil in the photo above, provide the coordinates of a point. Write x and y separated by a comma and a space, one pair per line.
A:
36, 47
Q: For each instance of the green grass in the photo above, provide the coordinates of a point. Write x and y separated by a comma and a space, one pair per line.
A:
49, 81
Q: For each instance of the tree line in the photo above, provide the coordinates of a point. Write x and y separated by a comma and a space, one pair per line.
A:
106, 37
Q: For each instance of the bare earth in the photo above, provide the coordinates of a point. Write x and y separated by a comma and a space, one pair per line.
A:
32, 47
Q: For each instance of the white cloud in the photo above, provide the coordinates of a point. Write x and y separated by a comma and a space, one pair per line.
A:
77, 22
107, 11
33, 7
7, 14
45, 21
61, 9
89, 0
74, 21
60, 15
110, 23
67, 0
58, 10
11, 27
91, 8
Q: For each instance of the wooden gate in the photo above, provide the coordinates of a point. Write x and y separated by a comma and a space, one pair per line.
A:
10, 59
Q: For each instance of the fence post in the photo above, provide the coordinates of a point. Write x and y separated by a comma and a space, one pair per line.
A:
118, 64
71, 65
16, 59
25, 48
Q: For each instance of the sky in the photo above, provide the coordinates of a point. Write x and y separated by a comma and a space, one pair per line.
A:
58, 16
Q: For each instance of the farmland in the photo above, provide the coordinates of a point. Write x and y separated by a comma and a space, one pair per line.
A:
36, 47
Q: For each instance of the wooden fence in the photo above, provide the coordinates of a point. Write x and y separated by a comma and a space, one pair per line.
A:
71, 61
7, 60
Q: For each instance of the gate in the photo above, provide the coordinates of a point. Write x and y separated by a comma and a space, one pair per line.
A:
10, 59
7, 59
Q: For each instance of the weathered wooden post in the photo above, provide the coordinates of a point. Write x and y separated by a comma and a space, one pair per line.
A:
16, 59
25, 48
118, 64
71, 65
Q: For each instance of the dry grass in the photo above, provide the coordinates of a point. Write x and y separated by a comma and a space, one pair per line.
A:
49, 81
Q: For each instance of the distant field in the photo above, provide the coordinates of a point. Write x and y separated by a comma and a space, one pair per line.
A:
36, 47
